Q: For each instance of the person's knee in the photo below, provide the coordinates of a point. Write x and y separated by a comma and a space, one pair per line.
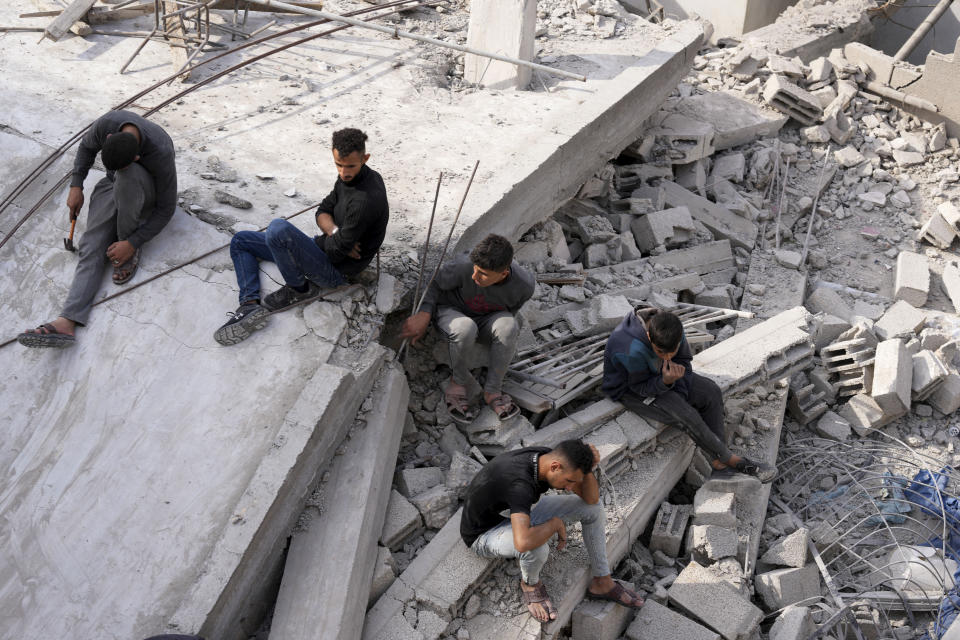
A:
505, 329
594, 513
537, 555
278, 231
463, 330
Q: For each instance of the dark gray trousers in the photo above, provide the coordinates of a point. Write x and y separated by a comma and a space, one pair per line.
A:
117, 209
700, 415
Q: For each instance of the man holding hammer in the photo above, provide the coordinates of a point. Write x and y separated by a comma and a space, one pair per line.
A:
128, 207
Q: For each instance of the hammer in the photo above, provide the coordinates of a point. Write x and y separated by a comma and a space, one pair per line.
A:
68, 242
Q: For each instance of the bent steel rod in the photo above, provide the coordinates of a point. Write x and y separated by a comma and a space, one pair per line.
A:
396, 33
176, 268
426, 244
43, 166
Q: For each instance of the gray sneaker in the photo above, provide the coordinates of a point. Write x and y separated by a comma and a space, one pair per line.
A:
248, 317
286, 297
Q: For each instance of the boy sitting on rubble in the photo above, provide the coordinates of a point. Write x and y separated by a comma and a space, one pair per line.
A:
514, 481
648, 367
476, 299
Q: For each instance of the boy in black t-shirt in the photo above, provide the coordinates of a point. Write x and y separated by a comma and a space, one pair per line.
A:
514, 481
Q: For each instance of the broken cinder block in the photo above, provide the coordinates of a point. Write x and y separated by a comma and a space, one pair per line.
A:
912, 279
668, 529
669, 228
788, 98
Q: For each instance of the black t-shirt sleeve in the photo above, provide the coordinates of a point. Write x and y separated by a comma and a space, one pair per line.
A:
520, 497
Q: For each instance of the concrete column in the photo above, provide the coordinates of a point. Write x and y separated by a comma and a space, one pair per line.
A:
506, 27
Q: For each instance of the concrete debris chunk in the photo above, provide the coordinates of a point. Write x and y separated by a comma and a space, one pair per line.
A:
735, 120
946, 397
863, 414
721, 222
401, 523
907, 158
951, 285
603, 314
826, 300
902, 320
832, 426
390, 293
715, 603
685, 139
941, 229
912, 279
788, 259
790, 551
384, 573
710, 543
461, 472
730, 166
669, 228
928, 374
848, 157
436, 505
223, 197
799, 104
783, 587
892, 377
600, 620
795, 623
668, 528
711, 507
410, 482
594, 229
657, 622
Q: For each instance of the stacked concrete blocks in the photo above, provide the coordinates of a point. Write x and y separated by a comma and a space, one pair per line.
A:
912, 279
668, 528
892, 378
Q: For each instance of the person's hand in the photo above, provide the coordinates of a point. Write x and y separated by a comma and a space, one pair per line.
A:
75, 201
672, 371
355, 252
415, 327
120, 252
561, 531
596, 457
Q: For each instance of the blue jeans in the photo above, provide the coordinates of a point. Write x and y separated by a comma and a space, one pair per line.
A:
295, 253
498, 541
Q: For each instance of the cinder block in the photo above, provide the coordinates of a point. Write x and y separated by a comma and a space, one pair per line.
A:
820, 378
710, 543
795, 623
790, 551
928, 374
832, 426
863, 413
938, 231
912, 279
596, 620
783, 587
828, 301
716, 604
656, 622
710, 507
788, 98
946, 398
688, 139
668, 528
892, 377
669, 228
729, 167
827, 329
401, 522
902, 320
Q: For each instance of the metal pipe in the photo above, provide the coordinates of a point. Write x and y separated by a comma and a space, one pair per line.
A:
922, 30
892, 94
396, 33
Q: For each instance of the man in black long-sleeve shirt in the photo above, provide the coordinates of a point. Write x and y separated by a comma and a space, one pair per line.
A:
130, 206
353, 221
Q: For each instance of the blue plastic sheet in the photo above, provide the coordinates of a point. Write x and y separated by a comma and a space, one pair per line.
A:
922, 493
894, 504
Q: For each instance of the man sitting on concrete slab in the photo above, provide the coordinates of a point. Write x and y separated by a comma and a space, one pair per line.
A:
129, 206
353, 221
648, 367
514, 481
477, 299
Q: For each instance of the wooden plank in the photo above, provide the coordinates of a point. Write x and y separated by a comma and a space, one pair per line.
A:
174, 28
57, 29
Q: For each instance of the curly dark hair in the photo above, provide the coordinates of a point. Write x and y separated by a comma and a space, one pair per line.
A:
576, 453
346, 141
665, 330
493, 253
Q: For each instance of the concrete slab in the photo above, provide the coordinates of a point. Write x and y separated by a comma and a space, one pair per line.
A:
701, 259
715, 604
402, 521
765, 350
784, 587
657, 622
735, 121
330, 565
507, 28
722, 222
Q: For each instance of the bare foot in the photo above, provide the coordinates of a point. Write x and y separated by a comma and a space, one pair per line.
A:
61, 324
543, 610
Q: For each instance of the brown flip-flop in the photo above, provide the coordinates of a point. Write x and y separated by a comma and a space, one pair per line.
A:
458, 406
538, 596
503, 406
46, 335
130, 266
615, 595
